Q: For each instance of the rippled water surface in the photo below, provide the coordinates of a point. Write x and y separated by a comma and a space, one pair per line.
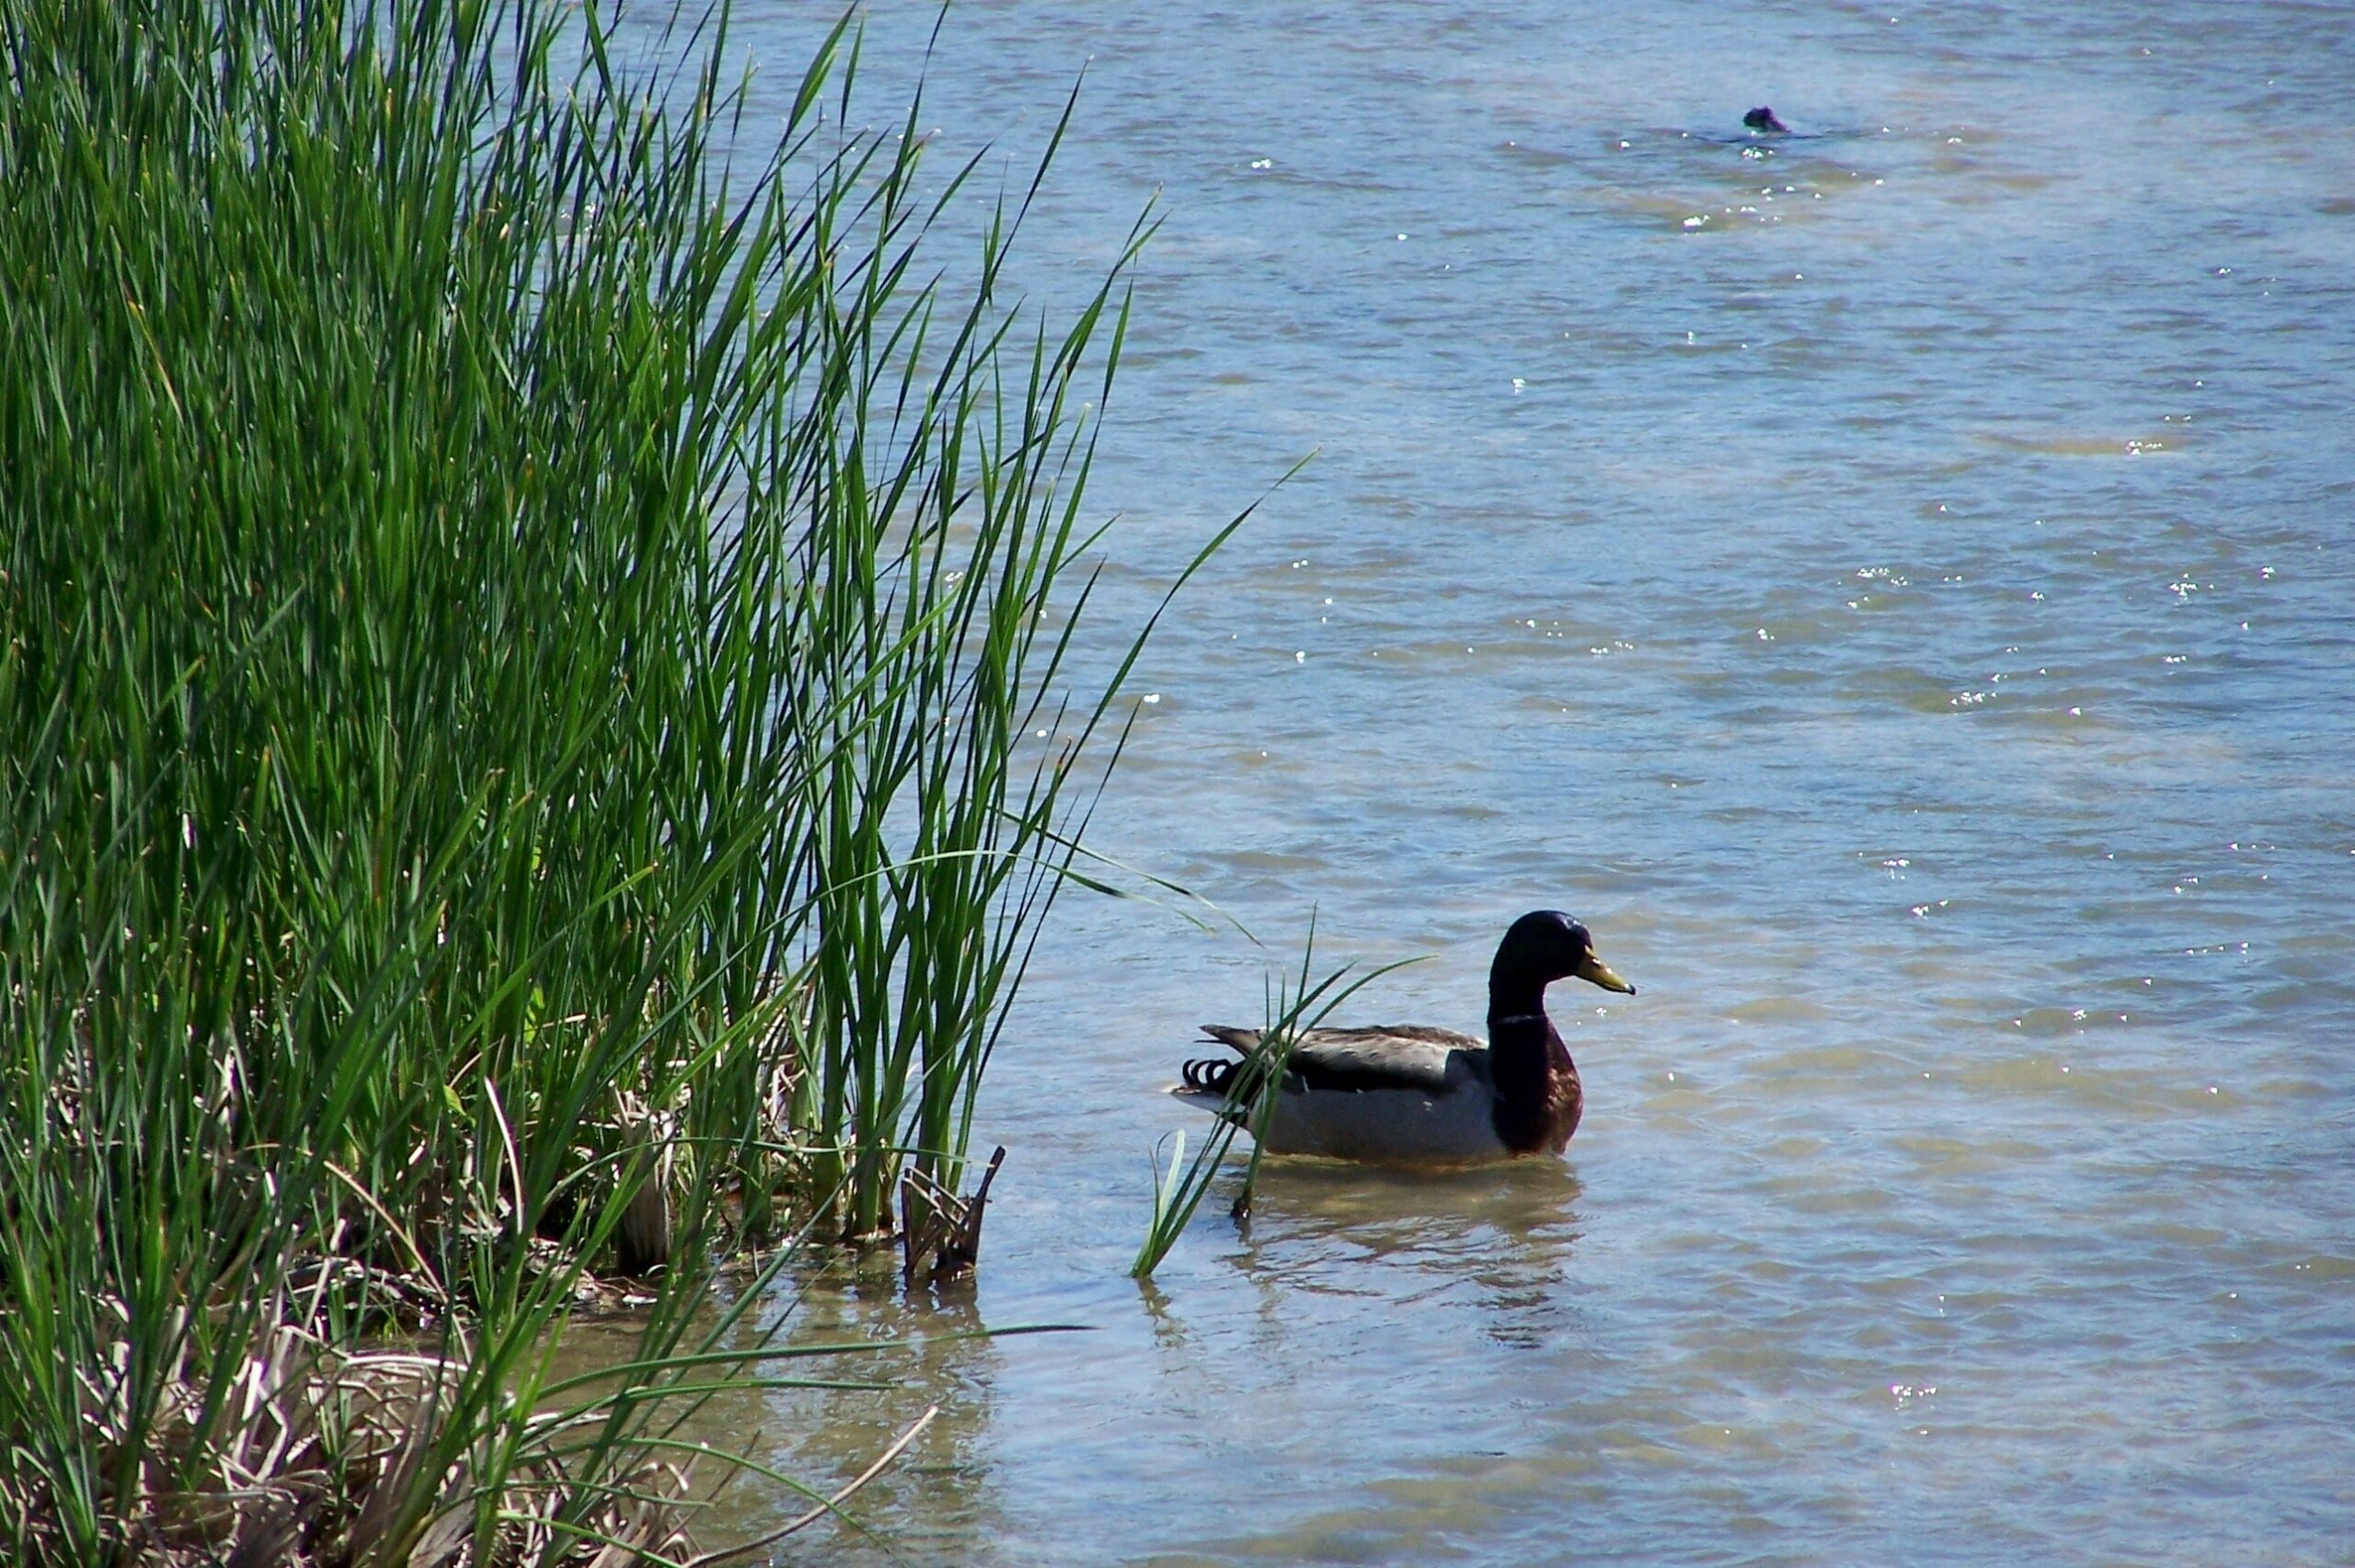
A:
1895, 583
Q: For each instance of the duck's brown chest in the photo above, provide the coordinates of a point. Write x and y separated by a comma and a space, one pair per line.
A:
1565, 1102
1542, 1110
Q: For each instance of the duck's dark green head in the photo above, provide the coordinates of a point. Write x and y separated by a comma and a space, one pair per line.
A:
1546, 945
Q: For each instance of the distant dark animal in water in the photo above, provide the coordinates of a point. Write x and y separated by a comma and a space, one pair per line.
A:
1763, 118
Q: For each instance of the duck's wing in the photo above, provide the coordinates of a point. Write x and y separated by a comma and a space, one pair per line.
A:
1387, 1055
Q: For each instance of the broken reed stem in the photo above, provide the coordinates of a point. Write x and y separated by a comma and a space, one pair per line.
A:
941, 1233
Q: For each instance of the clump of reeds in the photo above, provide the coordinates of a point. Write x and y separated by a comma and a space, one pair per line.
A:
514, 610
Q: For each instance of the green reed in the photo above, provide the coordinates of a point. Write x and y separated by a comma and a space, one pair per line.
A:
519, 624
1294, 1007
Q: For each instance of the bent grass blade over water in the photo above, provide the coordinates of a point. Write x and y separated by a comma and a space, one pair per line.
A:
519, 616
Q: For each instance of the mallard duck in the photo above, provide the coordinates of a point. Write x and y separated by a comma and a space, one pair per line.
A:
1412, 1094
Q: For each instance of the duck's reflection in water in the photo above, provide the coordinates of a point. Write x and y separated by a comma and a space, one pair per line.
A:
1492, 1241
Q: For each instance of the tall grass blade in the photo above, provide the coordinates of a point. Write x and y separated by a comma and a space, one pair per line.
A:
1292, 1009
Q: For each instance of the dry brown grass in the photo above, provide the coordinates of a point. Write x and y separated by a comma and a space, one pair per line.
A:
317, 1463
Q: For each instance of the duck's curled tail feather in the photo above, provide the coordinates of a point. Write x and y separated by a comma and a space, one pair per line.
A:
1207, 1075
1217, 1078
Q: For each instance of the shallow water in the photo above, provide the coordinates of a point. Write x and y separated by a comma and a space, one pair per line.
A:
1895, 583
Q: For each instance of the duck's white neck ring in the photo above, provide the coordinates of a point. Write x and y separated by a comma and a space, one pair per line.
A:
1517, 1018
